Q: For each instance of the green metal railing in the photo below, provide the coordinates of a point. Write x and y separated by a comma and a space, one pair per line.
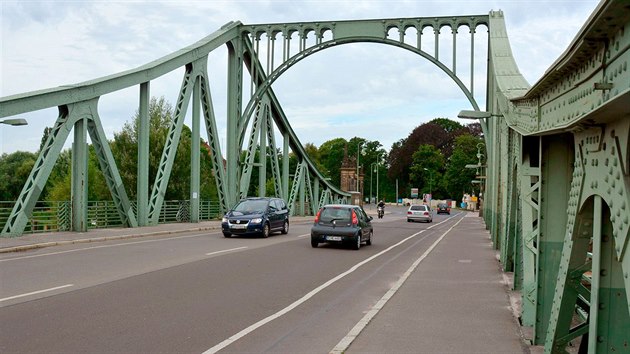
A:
55, 216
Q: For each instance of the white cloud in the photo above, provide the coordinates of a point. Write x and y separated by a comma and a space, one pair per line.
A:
51, 43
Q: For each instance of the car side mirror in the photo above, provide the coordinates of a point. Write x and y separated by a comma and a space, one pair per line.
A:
370, 218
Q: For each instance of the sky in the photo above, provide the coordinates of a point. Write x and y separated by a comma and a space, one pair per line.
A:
372, 91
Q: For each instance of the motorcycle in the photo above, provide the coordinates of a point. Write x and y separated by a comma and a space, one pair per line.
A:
380, 212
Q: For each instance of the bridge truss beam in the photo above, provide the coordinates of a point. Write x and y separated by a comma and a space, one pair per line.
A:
573, 182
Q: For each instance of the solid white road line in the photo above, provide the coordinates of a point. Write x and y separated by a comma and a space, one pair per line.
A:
343, 345
309, 295
35, 292
230, 250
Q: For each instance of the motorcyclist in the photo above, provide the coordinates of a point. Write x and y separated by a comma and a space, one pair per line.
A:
381, 208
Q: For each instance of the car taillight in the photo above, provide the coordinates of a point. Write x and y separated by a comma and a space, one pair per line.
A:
355, 220
317, 216
409, 213
426, 213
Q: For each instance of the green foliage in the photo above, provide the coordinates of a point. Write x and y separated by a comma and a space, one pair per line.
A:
60, 180
457, 177
448, 125
426, 170
331, 155
14, 171
125, 151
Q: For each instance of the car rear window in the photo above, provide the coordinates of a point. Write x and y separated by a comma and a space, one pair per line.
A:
328, 214
418, 207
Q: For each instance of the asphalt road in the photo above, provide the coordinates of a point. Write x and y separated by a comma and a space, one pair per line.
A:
196, 293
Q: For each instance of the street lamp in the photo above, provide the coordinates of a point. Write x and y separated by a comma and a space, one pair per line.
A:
358, 155
14, 122
373, 169
466, 114
430, 184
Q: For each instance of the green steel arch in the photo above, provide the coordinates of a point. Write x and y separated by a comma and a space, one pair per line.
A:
557, 169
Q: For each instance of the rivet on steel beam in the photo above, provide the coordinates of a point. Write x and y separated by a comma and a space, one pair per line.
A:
602, 86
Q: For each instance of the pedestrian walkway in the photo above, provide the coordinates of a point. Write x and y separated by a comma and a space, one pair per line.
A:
455, 301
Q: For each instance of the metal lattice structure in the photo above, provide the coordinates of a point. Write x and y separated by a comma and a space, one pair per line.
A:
557, 169
559, 184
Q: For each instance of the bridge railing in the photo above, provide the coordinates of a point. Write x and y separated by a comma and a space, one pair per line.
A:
55, 216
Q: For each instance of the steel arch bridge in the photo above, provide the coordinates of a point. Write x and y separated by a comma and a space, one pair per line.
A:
557, 169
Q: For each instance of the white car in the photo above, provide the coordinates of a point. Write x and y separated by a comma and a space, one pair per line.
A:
419, 213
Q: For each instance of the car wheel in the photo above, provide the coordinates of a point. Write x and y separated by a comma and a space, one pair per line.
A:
369, 240
408, 220
314, 243
285, 227
227, 234
357, 244
266, 231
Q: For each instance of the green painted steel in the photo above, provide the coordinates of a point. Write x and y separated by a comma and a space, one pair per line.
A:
556, 193
142, 188
195, 156
573, 167
79, 186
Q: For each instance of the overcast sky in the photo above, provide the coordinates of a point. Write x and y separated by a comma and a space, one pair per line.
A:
368, 90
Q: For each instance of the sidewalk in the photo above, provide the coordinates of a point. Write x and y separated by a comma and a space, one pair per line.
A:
456, 301
48, 239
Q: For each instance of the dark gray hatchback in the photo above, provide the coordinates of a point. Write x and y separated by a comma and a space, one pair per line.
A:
342, 223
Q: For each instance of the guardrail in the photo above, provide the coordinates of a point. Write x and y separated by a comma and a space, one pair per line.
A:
55, 216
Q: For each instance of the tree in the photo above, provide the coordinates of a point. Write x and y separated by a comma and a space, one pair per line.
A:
426, 170
331, 154
125, 147
457, 177
14, 171
59, 186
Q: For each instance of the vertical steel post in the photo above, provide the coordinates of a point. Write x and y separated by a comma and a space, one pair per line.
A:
436, 32
556, 168
593, 317
472, 62
262, 155
302, 188
195, 152
454, 31
285, 166
79, 176
315, 193
142, 184
235, 79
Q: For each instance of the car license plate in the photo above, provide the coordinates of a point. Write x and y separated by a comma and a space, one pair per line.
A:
238, 226
333, 238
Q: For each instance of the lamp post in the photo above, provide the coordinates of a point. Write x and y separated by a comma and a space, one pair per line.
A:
374, 168
430, 184
358, 156
13, 122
